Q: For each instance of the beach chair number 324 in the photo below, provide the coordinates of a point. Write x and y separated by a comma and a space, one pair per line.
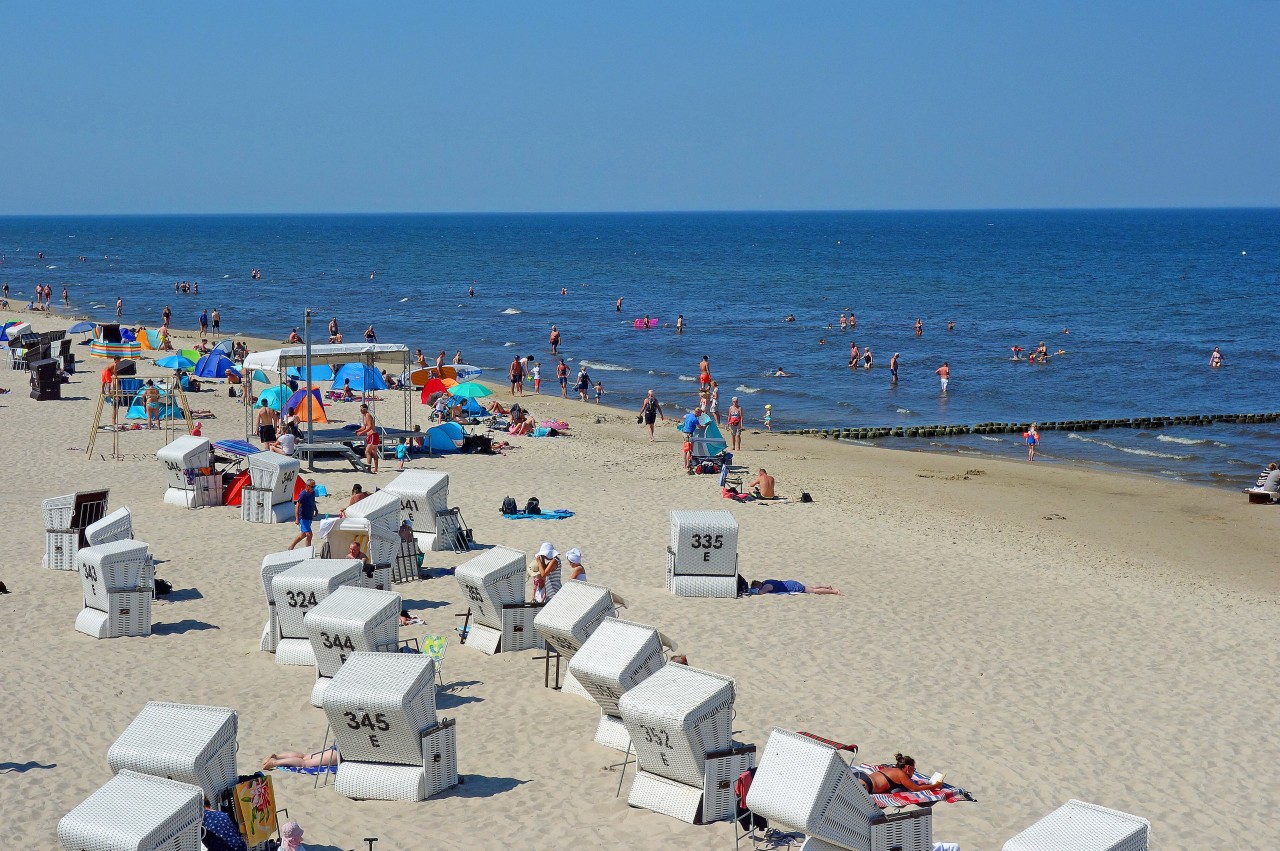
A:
707, 542
301, 599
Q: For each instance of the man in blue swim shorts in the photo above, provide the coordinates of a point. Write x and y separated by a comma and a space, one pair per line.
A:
304, 511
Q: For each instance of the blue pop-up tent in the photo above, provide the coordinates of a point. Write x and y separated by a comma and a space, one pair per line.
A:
213, 365
169, 409
319, 372
444, 438
362, 377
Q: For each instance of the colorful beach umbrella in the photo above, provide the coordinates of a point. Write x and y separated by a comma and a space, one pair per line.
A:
175, 362
470, 390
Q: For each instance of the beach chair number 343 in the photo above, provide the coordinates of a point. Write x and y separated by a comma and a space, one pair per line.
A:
706, 542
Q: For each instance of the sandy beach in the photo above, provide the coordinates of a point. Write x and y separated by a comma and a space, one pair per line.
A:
1037, 631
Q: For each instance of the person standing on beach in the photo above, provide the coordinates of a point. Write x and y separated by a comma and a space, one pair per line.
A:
204, 322
516, 374
562, 373
944, 373
217, 321
457, 357
584, 384
1033, 441
713, 402
119, 307
304, 511
268, 423
536, 374
333, 329
650, 410
919, 328
554, 339
893, 369
372, 440
440, 364
735, 425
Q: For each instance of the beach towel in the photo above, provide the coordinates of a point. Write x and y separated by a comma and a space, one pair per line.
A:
323, 769
553, 514
237, 447
948, 794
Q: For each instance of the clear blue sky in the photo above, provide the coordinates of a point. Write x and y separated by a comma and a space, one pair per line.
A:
142, 107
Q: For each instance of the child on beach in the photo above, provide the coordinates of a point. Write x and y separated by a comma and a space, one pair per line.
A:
688, 453
536, 374
599, 391
402, 451
768, 418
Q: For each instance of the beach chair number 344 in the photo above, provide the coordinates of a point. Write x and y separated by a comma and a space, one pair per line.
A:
706, 542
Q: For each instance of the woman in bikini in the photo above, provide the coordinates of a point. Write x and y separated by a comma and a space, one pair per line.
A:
893, 778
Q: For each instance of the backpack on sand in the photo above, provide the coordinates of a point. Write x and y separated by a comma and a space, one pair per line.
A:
532, 507
509, 506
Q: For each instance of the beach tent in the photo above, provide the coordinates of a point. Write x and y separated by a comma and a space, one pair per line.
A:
470, 406
213, 365
313, 411
225, 346
362, 377
444, 438
168, 408
276, 397
319, 372
153, 339
144, 341
707, 439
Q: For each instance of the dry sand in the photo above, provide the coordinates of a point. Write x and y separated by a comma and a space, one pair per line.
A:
1039, 632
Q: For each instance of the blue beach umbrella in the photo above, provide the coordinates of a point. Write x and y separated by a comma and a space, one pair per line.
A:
175, 362
81, 327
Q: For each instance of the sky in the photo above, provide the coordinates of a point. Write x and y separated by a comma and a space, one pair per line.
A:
226, 107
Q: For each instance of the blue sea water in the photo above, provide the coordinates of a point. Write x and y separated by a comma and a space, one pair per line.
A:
1144, 295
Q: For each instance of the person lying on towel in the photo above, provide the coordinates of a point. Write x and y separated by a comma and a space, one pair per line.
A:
790, 586
893, 778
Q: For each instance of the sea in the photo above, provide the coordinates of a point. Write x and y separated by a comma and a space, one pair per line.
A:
1130, 304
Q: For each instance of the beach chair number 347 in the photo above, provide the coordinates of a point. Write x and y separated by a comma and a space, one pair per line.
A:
706, 542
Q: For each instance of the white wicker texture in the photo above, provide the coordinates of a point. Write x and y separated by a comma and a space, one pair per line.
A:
805, 785
116, 526
376, 578
490, 580
376, 781
207, 491
113, 567
704, 542
570, 617
135, 812
484, 638
304, 586
295, 651
422, 493
186, 742
612, 733
58, 511
718, 778
274, 472
273, 564
651, 792
184, 453
517, 628
1079, 826
60, 549
378, 517
127, 614
352, 619
440, 757
617, 656
570, 685
690, 585
380, 704
255, 505
676, 717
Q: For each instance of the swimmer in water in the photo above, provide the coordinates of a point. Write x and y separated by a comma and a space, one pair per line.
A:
919, 328
618, 305
471, 291
951, 326
855, 355
1215, 359
822, 341
790, 317
680, 324
781, 373
893, 369
844, 322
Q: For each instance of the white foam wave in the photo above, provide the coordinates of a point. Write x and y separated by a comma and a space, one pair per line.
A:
742, 388
1145, 452
686, 378
403, 300
1185, 441
992, 439
226, 276
606, 367
904, 411
51, 267
511, 311
508, 344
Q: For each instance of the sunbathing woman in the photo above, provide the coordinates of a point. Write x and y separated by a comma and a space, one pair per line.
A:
893, 778
298, 759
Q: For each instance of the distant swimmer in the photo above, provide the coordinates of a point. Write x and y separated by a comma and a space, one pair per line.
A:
853, 321
790, 317
853, 354
893, 369
951, 326
1215, 359
1042, 351
919, 328
564, 291
1017, 352
471, 291
680, 324
780, 373
944, 373
554, 339
371, 276
1065, 331
822, 341
867, 359
844, 322
618, 305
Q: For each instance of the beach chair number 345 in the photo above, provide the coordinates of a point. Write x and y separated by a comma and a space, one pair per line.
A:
706, 542
377, 722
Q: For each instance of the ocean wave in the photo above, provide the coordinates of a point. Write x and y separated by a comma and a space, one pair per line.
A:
992, 439
686, 378
605, 367
1185, 441
51, 267
742, 388
1147, 452
403, 300
511, 311
904, 411
504, 345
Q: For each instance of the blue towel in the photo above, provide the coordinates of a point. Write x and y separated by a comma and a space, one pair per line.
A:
553, 514
324, 769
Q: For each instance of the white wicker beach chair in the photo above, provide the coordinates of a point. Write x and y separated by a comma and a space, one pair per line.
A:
422, 494
616, 657
273, 564
499, 620
1078, 826
186, 742
116, 526
256, 507
569, 618
65, 519
702, 558
183, 458
382, 708
274, 472
298, 590
680, 721
348, 620
804, 784
117, 579
135, 812
375, 522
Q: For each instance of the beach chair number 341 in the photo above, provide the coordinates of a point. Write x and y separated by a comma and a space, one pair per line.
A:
706, 542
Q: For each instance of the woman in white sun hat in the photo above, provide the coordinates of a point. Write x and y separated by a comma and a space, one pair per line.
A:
576, 570
546, 573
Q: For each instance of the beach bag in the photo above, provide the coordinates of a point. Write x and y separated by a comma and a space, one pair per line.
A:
805, 497
532, 507
509, 505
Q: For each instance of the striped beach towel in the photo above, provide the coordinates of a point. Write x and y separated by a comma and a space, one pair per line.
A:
948, 794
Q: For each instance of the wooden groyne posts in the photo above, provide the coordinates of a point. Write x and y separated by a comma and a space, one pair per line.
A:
875, 433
